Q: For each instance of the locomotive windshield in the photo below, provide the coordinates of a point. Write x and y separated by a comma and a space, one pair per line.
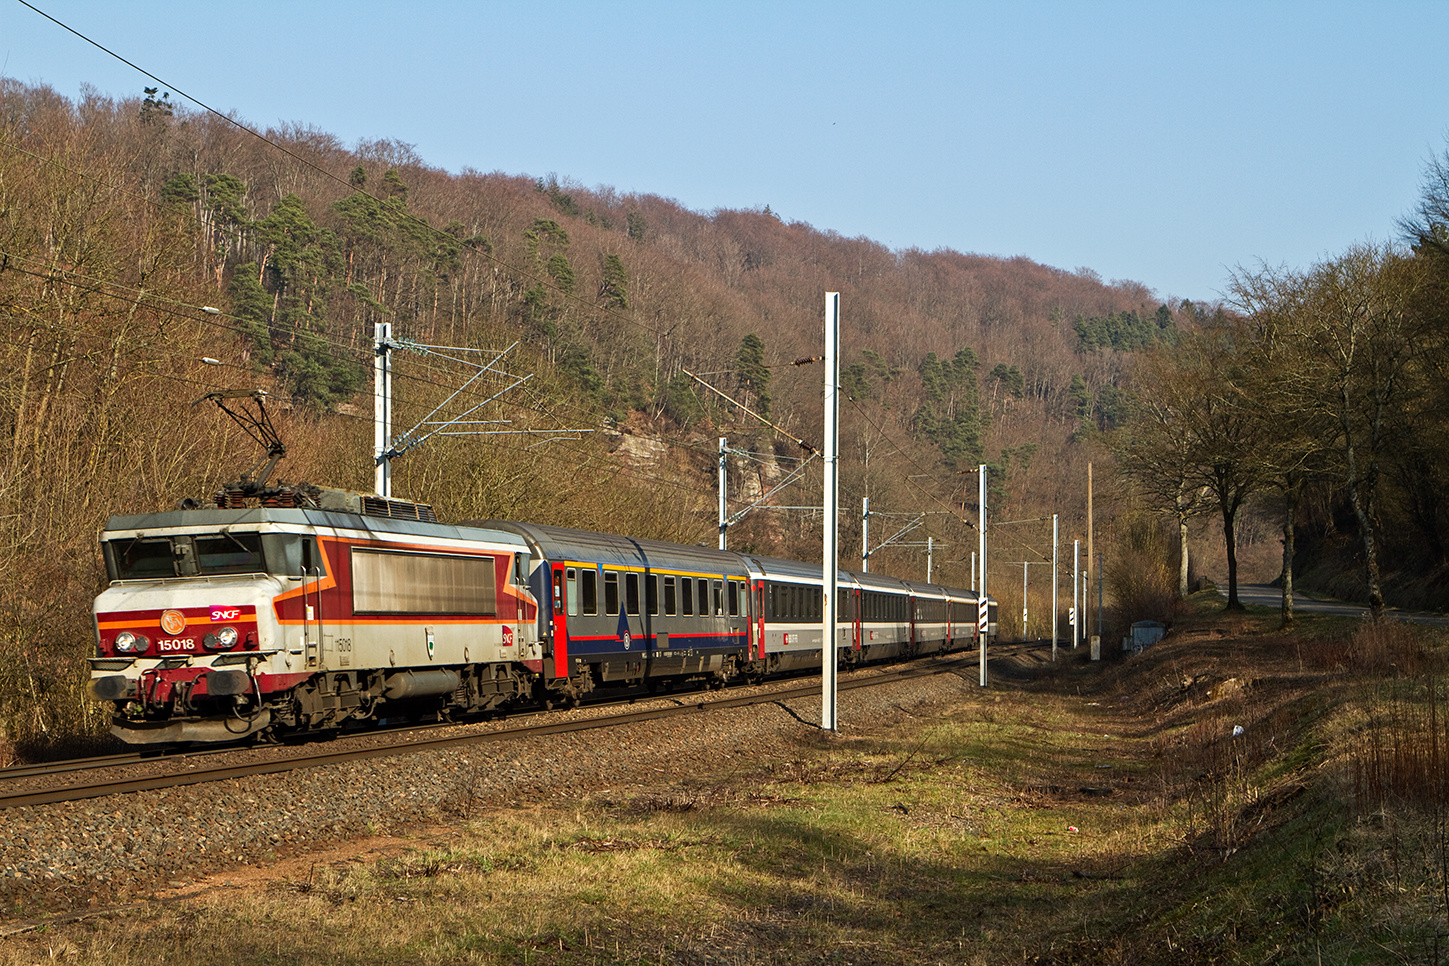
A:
138, 559
209, 555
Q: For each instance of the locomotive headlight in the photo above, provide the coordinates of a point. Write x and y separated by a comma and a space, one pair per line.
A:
128, 643
223, 640
227, 637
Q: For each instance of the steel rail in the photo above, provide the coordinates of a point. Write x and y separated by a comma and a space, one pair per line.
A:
196, 776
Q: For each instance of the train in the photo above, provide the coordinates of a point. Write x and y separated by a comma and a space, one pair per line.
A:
319, 610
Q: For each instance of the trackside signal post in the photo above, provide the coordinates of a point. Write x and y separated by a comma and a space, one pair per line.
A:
831, 562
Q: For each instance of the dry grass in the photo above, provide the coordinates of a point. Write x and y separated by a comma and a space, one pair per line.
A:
1096, 813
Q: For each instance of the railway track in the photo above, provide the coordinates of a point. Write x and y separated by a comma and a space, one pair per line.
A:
18, 785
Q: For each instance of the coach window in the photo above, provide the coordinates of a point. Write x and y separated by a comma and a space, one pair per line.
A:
590, 581
686, 595
651, 593
631, 594
718, 587
611, 593
571, 584
736, 589
671, 607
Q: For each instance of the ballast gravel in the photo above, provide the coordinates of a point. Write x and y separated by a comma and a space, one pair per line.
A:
124, 847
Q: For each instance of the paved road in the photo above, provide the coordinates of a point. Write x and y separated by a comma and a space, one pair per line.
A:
1266, 595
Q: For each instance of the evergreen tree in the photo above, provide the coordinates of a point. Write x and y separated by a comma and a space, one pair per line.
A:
562, 272
636, 226
753, 374
614, 289
180, 190
1081, 398
251, 306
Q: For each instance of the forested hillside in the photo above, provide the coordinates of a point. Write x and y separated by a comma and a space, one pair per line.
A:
123, 222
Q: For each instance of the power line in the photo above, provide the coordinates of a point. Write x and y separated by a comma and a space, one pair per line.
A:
143, 299
543, 279
357, 352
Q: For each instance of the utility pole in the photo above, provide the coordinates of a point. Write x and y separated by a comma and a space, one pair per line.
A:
865, 534
382, 408
928, 558
983, 613
723, 481
1091, 556
1076, 592
831, 556
1054, 586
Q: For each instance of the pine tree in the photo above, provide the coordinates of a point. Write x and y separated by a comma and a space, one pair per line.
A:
753, 374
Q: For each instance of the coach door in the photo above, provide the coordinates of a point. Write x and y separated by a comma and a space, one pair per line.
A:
856, 605
559, 638
759, 615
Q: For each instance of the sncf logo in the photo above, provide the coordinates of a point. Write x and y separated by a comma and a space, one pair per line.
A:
219, 614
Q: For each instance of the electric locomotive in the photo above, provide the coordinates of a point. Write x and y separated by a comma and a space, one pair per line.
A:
304, 615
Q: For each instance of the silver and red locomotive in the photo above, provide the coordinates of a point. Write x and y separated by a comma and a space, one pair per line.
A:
323, 608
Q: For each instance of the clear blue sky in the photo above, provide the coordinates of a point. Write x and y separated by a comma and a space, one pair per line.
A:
1164, 142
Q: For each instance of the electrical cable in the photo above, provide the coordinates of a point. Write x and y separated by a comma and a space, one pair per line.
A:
541, 279
358, 351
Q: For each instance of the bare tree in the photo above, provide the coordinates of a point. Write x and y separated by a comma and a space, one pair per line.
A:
1339, 357
1198, 430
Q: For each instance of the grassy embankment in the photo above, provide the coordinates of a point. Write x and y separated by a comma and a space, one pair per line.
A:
1083, 813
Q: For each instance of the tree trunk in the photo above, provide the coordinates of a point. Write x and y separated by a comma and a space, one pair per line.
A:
1230, 541
1360, 493
1360, 502
1182, 558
